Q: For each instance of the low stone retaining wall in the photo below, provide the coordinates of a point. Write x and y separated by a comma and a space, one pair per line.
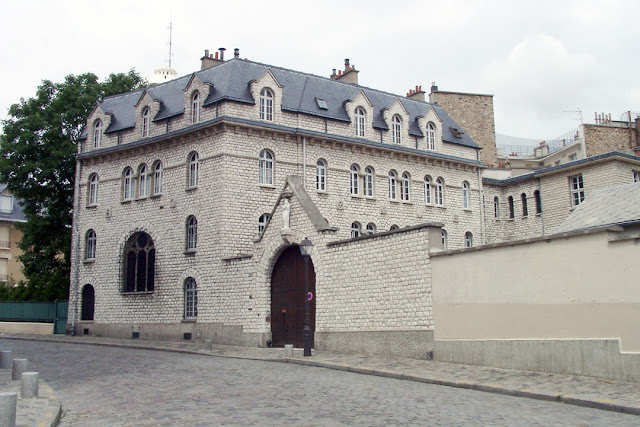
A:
26, 328
591, 357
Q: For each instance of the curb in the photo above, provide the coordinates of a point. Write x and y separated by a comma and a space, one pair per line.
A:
567, 399
51, 415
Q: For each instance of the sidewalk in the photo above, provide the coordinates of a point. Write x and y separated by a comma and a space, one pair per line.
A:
568, 389
43, 411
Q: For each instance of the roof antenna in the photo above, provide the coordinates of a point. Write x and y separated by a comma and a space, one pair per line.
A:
579, 111
170, 41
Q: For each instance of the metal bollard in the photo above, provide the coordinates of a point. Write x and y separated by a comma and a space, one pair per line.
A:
8, 402
5, 359
19, 366
288, 350
29, 385
208, 345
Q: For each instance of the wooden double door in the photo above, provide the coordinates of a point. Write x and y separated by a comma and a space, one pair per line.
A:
288, 297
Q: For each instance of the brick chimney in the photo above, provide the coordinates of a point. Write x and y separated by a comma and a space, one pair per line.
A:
209, 60
417, 94
349, 75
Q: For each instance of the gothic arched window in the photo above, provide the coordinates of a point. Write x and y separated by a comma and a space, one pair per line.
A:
139, 263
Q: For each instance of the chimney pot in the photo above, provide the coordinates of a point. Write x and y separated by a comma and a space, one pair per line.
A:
206, 53
222, 49
416, 88
346, 64
236, 53
216, 55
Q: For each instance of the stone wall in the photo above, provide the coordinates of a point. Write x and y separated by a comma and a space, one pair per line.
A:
601, 139
474, 112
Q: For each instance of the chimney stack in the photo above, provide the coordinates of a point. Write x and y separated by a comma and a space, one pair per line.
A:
236, 53
208, 60
221, 49
417, 94
434, 88
350, 74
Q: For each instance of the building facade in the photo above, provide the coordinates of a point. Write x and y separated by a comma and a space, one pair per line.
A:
179, 226
10, 215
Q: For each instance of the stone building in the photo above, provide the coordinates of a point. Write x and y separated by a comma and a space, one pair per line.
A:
183, 189
10, 215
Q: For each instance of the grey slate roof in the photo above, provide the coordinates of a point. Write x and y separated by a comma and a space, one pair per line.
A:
608, 206
230, 81
534, 174
17, 215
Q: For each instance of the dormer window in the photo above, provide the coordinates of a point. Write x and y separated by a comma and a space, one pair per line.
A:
359, 121
195, 108
97, 134
431, 136
6, 203
266, 105
146, 121
396, 128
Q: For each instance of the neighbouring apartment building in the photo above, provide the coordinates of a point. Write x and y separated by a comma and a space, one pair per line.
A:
192, 197
10, 214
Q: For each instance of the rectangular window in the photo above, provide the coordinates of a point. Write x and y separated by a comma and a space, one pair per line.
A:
577, 190
636, 176
6, 203
573, 157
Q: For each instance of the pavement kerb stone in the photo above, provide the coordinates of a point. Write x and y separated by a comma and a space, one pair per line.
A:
488, 388
51, 415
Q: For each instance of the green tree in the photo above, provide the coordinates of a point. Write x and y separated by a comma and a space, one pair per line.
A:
37, 162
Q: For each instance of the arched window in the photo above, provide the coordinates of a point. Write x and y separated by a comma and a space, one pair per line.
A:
146, 122
465, 195
321, 176
190, 299
128, 184
143, 181
468, 239
194, 167
405, 186
371, 228
195, 107
265, 166
355, 230
192, 233
139, 263
97, 134
511, 210
392, 184
266, 105
496, 207
88, 302
394, 227
439, 192
93, 189
262, 222
444, 240
368, 181
354, 172
396, 127
431, 136
427, 190
536, 195
90, 245
157, 178
525, 209
358, 121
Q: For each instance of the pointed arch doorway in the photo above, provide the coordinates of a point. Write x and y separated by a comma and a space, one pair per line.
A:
287, 299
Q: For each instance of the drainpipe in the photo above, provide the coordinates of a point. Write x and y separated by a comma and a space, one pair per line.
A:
482, 241
541, 210
304, 162
76, 249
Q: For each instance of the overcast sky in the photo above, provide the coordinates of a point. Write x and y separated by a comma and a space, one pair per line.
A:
542, 60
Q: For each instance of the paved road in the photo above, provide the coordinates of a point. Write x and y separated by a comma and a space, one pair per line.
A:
104, 386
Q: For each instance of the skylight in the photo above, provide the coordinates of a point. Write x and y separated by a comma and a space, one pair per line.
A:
322, 104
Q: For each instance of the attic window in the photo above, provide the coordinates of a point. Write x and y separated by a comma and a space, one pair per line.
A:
456, 132
322, 104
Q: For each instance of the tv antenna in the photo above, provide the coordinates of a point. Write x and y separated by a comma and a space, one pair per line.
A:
170, 41
579, 111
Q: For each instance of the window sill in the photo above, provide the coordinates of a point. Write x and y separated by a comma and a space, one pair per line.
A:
407, 202
142, 198
188, 321
467, 210
124, 202
138, 293
89, 261
440, 206
267, 186
189, 189
92, 206
394, 201
323, 192
190, 252
539, 214
155, 196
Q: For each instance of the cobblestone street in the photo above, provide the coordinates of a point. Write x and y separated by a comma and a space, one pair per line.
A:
100, 386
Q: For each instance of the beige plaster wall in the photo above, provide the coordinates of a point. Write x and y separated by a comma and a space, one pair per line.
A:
580, 286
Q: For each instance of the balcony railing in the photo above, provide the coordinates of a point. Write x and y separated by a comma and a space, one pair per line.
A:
4, 244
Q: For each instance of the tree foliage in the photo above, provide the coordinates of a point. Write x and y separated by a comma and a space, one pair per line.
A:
37, 162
